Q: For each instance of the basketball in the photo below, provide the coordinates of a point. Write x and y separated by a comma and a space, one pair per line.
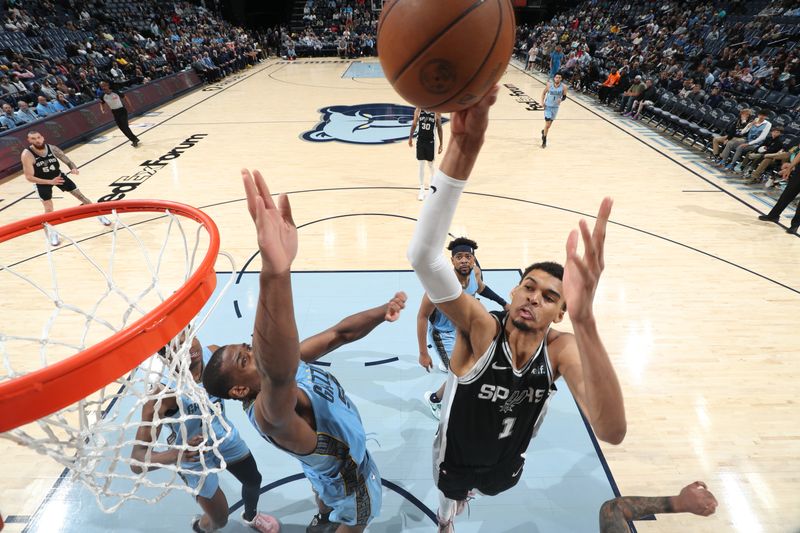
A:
444, 55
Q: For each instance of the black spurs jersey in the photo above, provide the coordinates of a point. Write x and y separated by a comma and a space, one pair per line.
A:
427, 121
45, 166
490, 414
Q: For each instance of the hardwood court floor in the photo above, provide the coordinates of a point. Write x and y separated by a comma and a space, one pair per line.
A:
698, 301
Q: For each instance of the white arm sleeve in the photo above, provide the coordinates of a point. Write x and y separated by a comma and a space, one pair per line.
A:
425, 250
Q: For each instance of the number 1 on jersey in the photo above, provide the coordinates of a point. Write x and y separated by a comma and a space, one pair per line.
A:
508, 427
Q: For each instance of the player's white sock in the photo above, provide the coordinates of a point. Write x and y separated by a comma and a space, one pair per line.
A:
447, 509
430, 169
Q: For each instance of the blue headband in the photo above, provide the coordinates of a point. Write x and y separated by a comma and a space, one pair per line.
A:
463, 248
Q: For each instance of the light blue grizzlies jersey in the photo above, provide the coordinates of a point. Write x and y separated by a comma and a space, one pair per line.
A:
340, 468
194, 425
554, 94
439, 320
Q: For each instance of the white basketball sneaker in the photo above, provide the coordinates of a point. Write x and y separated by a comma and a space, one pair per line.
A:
104, 221
263, 523
54, 239
421, 195
436, 407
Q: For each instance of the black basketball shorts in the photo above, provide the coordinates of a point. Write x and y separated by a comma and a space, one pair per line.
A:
456, 482
424, 151
46, 191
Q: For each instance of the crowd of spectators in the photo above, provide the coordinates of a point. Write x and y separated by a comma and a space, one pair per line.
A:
333, 27
632, 52
54, 54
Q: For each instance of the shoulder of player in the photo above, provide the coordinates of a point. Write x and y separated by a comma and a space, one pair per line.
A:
560, 343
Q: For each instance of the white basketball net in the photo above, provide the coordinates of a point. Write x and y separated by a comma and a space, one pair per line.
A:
94, 438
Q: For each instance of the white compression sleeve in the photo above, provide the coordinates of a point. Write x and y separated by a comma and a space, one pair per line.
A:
421, 174
425, 252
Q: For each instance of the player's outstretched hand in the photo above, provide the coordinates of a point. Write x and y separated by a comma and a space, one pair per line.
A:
696, 499
277, 233
470, 124
425, 362
395, 305
582, 274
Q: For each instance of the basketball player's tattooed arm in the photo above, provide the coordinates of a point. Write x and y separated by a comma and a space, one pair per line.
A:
351, 329
27, 168
615, 514
62, 156
276, 346
413, 127
582, 359
426, 308
147, 436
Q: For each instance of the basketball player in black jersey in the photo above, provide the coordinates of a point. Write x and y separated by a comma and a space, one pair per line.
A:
505, 364
40, 165
427, 120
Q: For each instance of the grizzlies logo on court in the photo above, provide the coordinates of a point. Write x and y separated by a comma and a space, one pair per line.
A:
363, 124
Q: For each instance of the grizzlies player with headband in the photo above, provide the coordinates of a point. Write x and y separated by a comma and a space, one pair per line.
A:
238, 459
427, 120
504, 365
301, 408
441, 333
40, 165
554, 93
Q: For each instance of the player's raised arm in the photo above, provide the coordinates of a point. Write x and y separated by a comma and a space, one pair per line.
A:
351, 329
582, 359
468, 128
276, 346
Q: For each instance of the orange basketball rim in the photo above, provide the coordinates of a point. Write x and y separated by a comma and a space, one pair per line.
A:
42, 392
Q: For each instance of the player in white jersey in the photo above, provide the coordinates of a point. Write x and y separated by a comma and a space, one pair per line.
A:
239, 461
554, 93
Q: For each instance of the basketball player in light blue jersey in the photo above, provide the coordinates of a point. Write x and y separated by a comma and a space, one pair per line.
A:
554, 93
238, 459
441, 333
300, 408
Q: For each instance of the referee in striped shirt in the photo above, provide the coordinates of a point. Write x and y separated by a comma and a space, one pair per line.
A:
114, 101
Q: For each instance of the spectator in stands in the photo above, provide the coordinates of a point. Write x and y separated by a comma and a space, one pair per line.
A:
715, 98
6, 88
24, 113
18, 86
644, 100
532, 53
630, 96
768, 154
605, 90
43, 107
754, 134
47, 90
291, 53
734, 130
8, 120
61, 103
